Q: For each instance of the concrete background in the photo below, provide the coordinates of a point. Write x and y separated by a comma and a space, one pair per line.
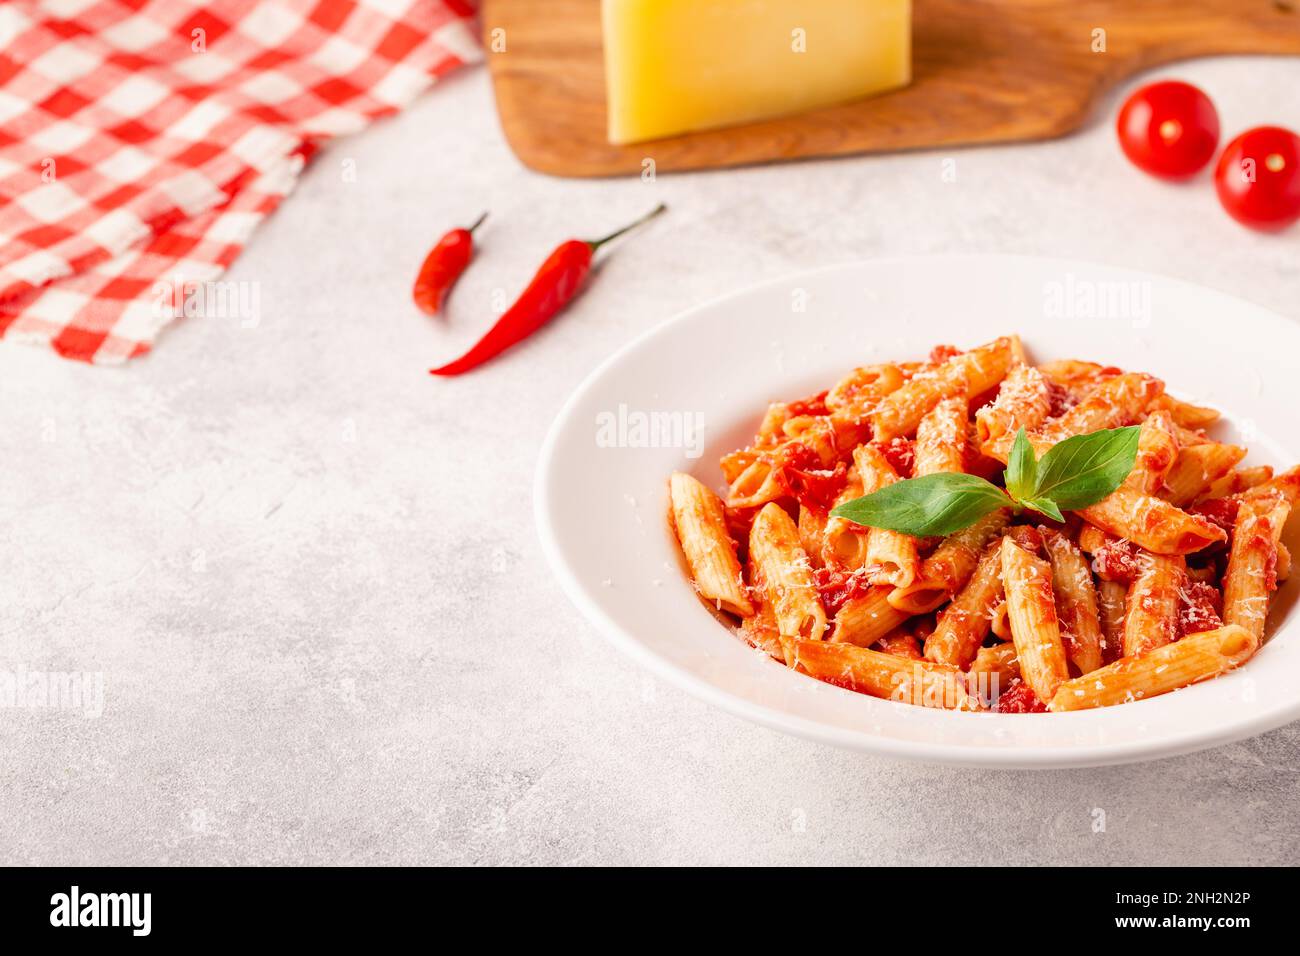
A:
309, 574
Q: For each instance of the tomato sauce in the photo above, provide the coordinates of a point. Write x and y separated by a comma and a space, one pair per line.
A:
1199, 606
836, 588
1221, 512
801, 474
814, 405
900, 453
1059, 399
1117, 561
1019, 699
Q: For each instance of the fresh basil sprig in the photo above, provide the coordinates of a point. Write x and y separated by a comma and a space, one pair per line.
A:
1073, 474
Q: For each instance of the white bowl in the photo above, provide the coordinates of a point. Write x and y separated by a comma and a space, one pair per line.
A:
601, 495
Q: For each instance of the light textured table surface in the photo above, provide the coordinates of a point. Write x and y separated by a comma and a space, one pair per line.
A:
309, 574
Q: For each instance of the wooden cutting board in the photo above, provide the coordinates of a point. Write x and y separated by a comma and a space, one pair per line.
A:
984, 71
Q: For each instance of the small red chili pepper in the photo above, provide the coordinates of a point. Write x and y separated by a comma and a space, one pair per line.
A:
443, 266
556, 282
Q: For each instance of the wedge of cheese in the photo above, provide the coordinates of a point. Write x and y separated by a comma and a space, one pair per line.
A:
672, 66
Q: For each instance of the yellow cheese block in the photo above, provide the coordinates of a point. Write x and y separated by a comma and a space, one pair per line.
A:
672, 66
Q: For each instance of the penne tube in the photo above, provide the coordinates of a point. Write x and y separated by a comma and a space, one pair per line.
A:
1151, 611
785, 576
760, 631
1156, 453
950, 566
812, 533
1196, 470
857, 395
757, 484
964, 624
1152, 523
1117, 401
1252, 563
701, 528
1076, 602
887, 676
1185, 414
1023, 401
1237, 481
754, 486
966, 374
992, 672
865, 619
891, 554
941, 438
844, 544
1031, 610
1112, 599
999, 623
1288, 483
900, 644
1092, 539
1195, 658
1076, 374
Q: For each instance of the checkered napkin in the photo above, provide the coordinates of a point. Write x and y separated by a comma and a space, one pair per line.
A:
142, 141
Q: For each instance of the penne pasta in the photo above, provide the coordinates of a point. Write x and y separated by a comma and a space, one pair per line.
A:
950, 566
1122, 599
1152, 523
857, 395
1031, 610
812, 533
941, 438
1237, 481
785, 577
962, 627
966, 374
992, 671
1000, 624
1023, 401
701, 528
1117, 401
866, 619
760, 631
887, 676
1076, 602
900, 644
1185, 414
1151, 611
1112, 599
1195, 658
1288, 483
1252, 564
1196, 470
891, 554
1157, 451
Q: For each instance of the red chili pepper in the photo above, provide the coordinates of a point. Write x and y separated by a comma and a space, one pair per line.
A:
554, 285
443, 266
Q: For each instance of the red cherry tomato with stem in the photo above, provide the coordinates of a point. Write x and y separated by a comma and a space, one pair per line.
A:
1169, 129
1258, 178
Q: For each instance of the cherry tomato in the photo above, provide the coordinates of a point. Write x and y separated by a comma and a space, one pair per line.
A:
1258, 178
1170, 129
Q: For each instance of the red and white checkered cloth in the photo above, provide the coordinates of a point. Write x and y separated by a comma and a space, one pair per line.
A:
142, 141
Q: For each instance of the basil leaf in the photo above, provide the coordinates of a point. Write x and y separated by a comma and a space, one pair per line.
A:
931, 505
1082, 470
1022, 469
1044, 506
